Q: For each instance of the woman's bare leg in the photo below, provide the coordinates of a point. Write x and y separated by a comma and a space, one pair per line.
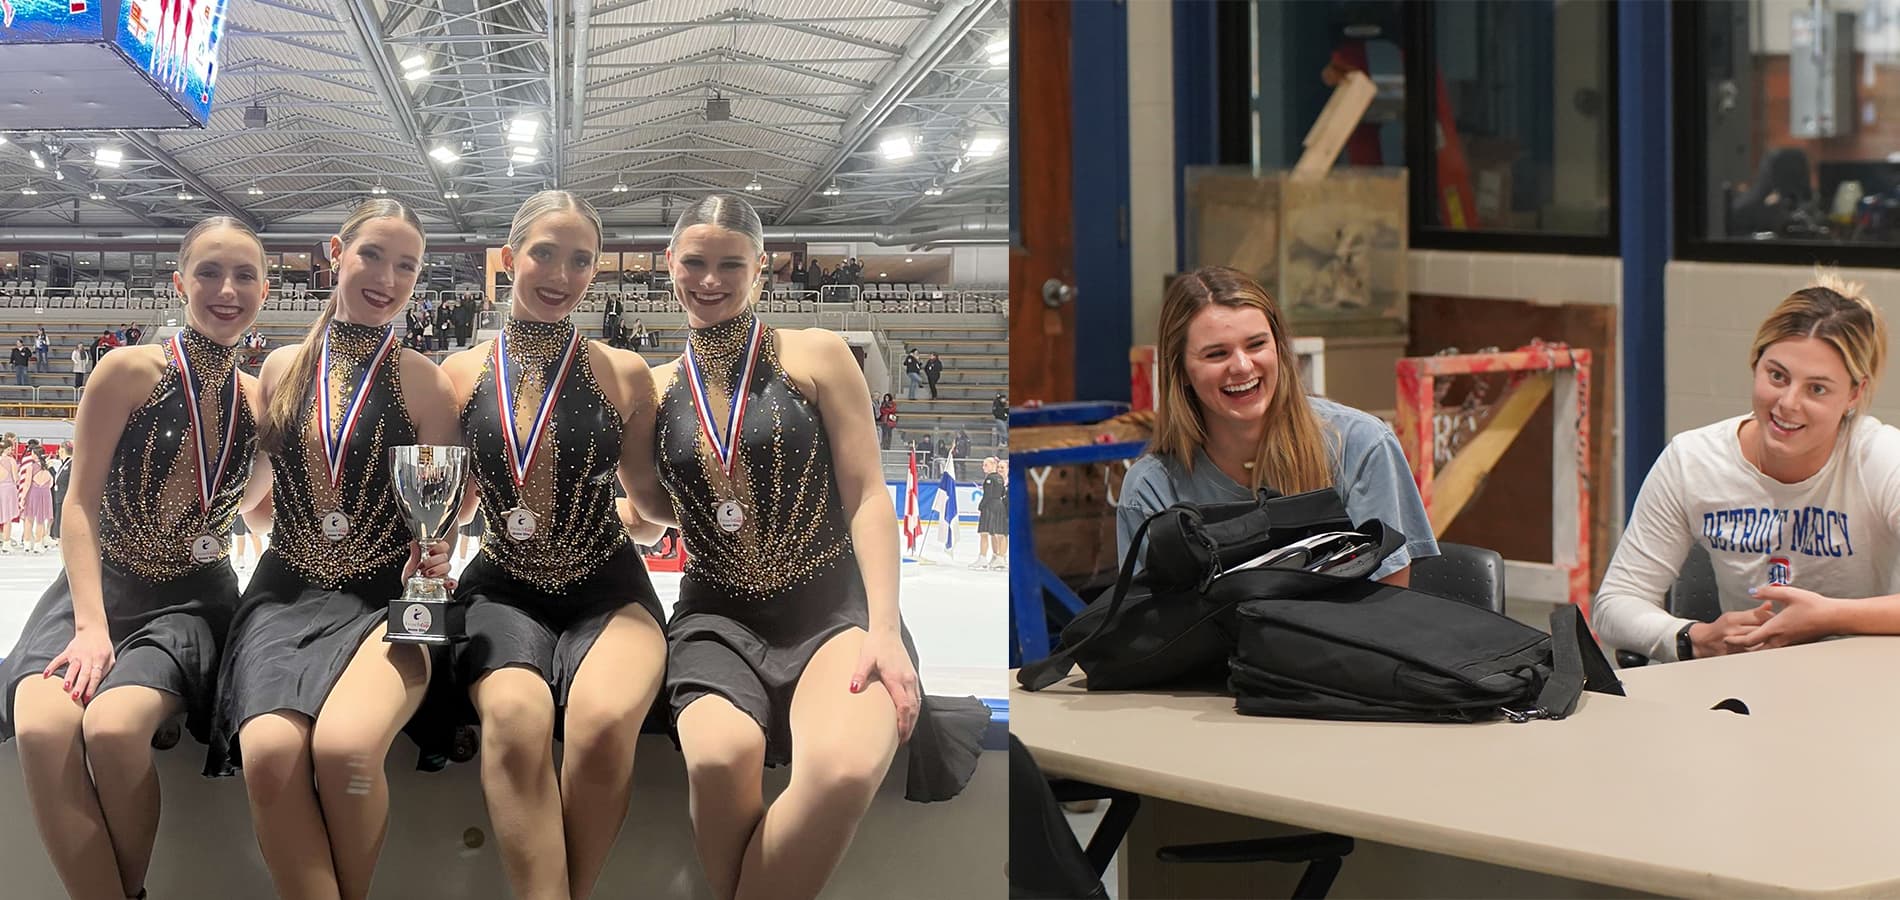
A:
612, 692
374, 697
524, 801
280, 781
65, 806
842, 743
118, 729
725, 768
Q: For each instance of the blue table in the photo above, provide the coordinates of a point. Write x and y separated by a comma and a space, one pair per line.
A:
1028, 577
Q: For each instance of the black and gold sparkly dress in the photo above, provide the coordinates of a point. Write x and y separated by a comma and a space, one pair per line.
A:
772, 575
165, 574
337, 547
556, 564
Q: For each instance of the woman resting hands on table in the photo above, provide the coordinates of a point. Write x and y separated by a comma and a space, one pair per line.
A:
1797, 501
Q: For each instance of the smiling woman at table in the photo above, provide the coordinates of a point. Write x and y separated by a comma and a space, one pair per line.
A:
1797, 501
1233, 417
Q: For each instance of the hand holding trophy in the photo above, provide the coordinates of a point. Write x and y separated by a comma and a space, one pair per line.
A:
428, 482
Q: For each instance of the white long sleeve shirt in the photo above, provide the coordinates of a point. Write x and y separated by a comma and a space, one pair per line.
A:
1837, 531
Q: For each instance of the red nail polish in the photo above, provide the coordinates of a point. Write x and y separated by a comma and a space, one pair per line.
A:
855, 687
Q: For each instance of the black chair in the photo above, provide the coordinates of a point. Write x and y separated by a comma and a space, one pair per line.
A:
1473, 575
1693, 596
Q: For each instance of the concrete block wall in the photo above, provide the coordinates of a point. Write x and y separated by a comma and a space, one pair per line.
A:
1710, 319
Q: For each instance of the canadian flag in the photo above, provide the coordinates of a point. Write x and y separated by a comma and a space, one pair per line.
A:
912, 526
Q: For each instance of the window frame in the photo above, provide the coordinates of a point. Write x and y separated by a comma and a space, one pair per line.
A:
1421, 62
1690, 170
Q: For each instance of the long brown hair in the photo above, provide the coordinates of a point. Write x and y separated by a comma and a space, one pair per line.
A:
1833, 311
1293, 449
280, 420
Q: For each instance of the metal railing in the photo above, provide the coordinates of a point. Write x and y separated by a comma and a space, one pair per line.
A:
57, 401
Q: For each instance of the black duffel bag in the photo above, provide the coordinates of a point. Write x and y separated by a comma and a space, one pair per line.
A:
1319, 648
1168, 627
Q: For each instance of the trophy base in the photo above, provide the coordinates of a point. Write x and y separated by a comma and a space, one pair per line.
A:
413, 621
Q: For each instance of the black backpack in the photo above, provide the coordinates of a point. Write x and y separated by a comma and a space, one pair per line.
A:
1319, 648
1165, 628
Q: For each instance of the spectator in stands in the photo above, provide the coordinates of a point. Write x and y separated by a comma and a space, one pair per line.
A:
638, 337
82, 364
999, 427
465, 319
444, 323
886, 420
610, 318
924, 446
133, 334
960, 448
42, 351
913, 374
815, 274
63, 468
21, 359
933, 370
107, 341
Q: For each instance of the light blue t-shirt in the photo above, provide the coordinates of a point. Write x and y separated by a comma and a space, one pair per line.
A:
1371, 476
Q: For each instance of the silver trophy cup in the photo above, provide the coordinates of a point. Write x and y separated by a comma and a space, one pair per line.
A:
427, 480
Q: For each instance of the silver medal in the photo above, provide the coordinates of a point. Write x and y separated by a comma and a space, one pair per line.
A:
204, 548
336, 526
731, 516
521, 524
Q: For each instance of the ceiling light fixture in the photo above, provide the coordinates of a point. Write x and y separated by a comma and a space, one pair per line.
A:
522, 129
898, 148
831, 190
934, 190
620, 186
59, 174
185, 195
450, 194
254, 190
37, 161
377, 188
754, 186
29, 190
443, 154
983, 145
525, 154
110, 157
415, 60
95, 195
415, 74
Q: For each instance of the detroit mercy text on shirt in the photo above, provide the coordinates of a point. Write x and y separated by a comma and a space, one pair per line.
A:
1808, 530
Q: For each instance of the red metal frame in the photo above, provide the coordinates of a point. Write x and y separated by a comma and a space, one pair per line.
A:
1416, 400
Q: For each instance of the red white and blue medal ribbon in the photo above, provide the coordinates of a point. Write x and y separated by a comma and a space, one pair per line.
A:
210, 474
724, 444
521, 453
336, 441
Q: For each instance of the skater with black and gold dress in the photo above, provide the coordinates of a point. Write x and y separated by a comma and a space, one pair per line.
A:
311, 697
128, 636
786, 645
563, 624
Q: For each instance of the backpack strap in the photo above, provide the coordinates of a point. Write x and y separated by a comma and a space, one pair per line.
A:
1578, 665
1047, 671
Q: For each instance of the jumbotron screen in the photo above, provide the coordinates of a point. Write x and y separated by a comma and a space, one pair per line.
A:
49, 21
176, 43
80, 62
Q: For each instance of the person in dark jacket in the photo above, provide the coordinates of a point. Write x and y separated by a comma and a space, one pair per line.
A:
933, 370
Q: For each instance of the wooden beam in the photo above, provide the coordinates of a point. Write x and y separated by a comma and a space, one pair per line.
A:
1334, 125
1459, 481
